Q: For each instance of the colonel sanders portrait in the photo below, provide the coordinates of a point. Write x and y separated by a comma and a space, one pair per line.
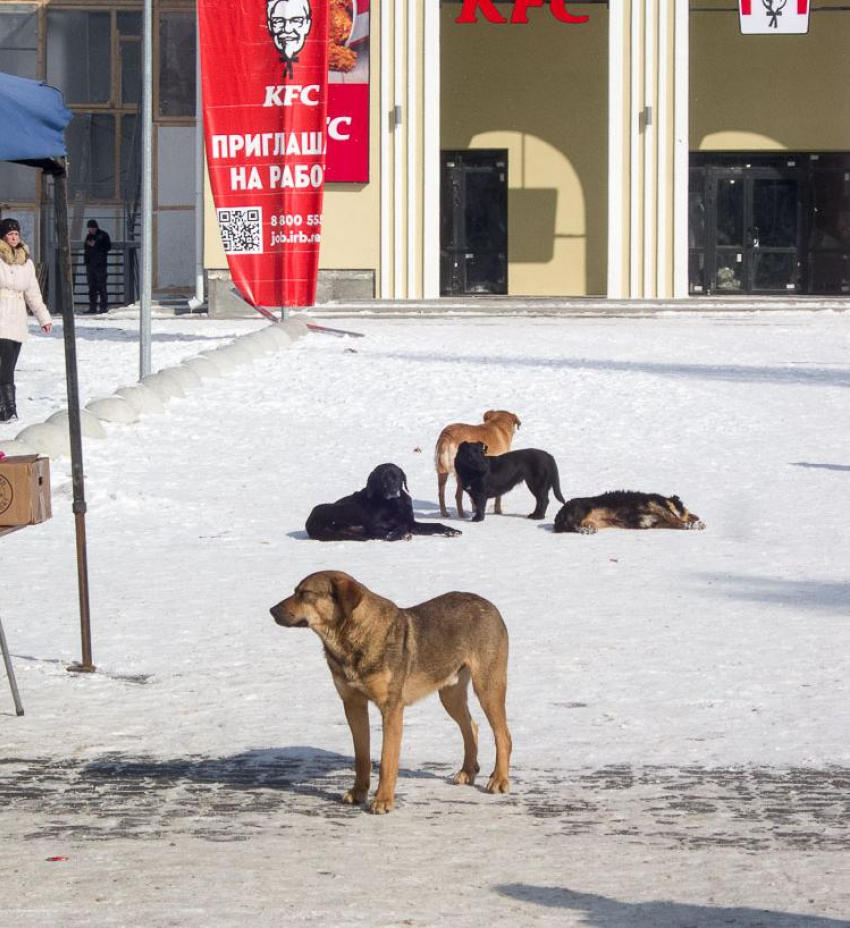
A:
289, 23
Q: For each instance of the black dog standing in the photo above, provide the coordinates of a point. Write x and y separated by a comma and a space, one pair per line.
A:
382, 510
98, 246
485, 477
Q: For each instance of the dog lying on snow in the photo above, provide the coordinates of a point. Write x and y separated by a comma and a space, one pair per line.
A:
496, 431
382, 510
484, 477
395, 657
625, 509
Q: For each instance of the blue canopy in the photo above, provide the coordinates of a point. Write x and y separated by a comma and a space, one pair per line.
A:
33, 116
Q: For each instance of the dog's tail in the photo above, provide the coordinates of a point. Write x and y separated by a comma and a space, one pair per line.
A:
556, 486
443, 457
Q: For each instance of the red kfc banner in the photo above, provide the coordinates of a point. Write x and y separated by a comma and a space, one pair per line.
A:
348, 92
264, 74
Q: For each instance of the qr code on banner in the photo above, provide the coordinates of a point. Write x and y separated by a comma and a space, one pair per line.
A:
241, 229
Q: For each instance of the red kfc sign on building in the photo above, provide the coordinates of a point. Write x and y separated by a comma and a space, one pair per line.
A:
264, 74
487, 8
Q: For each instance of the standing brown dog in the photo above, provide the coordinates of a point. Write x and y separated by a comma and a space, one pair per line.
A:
395, 657
497, 432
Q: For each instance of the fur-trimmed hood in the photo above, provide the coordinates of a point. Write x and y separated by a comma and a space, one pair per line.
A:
9, 255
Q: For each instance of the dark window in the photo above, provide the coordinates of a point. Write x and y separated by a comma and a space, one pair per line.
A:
730, 212
130, 158
177, 64
17, 181
131, 72
130, 24
90, 138
18, 39
79, 60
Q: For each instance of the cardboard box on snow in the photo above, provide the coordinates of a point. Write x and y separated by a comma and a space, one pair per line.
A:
24, 490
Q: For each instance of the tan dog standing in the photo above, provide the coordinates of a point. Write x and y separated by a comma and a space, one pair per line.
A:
497, 432
395, 657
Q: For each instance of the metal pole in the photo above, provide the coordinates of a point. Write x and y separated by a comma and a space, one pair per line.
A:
197, 301
66, 297
10, 672
147, 192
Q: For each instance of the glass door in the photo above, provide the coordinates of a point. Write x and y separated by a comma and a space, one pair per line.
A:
746, 228
474, 222
772, 241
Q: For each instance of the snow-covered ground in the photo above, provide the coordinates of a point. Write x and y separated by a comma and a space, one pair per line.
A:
679, 701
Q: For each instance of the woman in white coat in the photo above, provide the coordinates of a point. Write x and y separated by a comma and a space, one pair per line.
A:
18, 289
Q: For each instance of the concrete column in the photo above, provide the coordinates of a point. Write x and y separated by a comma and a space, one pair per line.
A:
410, 149
430, 79
648, 149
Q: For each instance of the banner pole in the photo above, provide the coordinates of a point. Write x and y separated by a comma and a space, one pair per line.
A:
66, 292
147, 192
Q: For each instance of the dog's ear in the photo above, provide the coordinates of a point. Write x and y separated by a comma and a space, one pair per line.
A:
375, 482
484, 448
404, 481
348, 593
516, 421
677, 506
488, 415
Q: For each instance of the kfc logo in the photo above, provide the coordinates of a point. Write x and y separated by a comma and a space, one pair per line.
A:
558, 9
774, 17
289, 23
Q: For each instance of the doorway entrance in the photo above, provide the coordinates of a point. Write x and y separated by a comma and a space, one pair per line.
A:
767, 224
474, 222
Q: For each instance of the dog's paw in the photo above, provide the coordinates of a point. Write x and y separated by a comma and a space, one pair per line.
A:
477, 517
464, 778
535, 515
355, 797
697, 526
381, 806
452, 532
498, 784
398, 536
587, 530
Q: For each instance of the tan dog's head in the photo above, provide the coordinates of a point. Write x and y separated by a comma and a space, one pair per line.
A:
322, 601
497, 415
677, 507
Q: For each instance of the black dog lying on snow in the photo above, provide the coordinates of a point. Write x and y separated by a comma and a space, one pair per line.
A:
625, 509
382, 510
485, 477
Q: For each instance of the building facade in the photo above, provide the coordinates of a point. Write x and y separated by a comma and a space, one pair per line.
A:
651, 151
92, 51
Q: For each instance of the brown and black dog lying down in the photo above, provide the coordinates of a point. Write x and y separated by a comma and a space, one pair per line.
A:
624, 509
496, 431
484, 477
394, 657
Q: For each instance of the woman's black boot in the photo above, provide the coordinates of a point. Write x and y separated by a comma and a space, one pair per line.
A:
7, 391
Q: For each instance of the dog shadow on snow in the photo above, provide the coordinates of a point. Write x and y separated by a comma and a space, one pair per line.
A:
301, 770
422, 510
603, 912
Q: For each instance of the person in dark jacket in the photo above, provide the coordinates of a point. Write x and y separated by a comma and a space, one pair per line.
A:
98, 245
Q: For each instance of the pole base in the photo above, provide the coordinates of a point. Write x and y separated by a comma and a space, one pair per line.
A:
77, 667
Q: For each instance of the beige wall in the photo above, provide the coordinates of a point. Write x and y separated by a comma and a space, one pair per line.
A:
769, 92
540, 91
